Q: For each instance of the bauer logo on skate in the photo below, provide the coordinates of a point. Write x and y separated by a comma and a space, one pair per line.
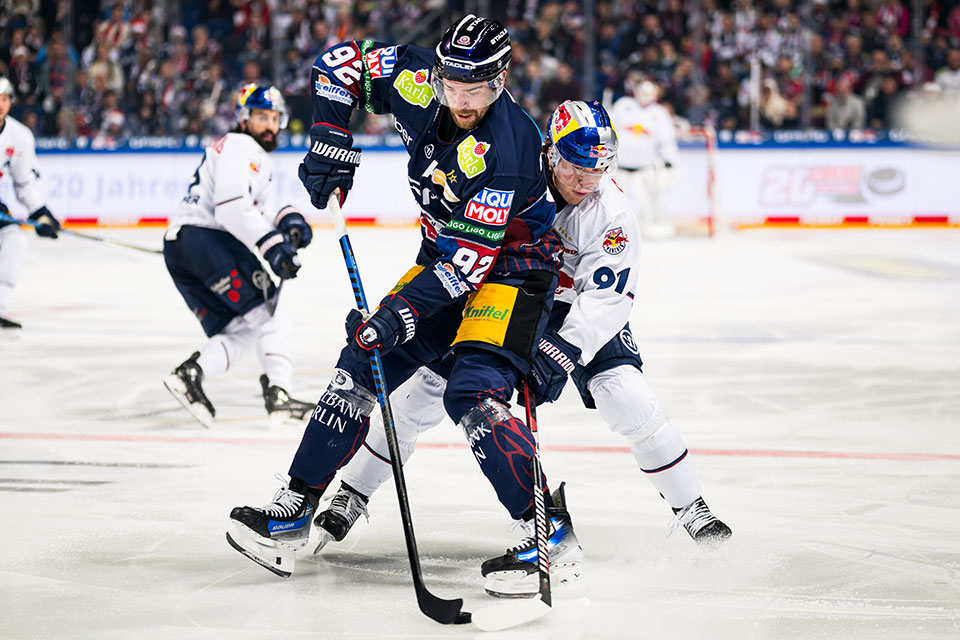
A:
615, 241
490, 206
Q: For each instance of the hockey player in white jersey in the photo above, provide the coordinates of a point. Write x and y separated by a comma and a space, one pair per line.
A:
588, 336
19, 161
648, 152
211, 249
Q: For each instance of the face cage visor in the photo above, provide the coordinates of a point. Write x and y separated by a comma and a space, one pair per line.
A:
243, 113
464, 96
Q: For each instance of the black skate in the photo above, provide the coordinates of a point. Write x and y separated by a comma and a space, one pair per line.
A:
184, 383
271, 535
338, 518
701, 524
280, 406
6, 323
514, 574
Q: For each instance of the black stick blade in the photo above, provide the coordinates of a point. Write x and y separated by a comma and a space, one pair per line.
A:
443, 611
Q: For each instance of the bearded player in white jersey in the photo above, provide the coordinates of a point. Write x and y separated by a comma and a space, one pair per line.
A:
588, 337
211, 249
648, 153
19, 161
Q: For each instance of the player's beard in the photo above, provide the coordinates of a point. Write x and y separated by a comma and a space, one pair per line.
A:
267, 139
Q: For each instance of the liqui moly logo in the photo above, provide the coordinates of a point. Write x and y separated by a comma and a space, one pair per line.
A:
490, 207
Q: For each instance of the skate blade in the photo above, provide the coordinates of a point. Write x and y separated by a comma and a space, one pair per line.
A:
523, 585
510, 614
285, 419
322, 540
279, 558
195, 409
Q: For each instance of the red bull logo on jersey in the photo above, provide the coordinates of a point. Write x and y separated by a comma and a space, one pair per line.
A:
615, 241
490, 207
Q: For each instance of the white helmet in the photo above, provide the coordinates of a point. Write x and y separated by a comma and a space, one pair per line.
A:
6, 87
647, 93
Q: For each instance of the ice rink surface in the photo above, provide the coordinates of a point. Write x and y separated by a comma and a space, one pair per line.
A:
815, 376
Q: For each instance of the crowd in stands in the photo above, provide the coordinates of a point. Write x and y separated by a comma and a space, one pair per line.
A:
106, 70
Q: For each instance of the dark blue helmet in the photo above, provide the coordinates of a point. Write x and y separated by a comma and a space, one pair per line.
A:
256, 97
581, 133
473, 50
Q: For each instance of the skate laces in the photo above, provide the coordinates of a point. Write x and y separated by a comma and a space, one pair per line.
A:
286, 502
693, 517
530, 532
349, 505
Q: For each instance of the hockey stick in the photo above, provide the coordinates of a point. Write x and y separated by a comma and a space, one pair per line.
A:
523, 611
443, 611
108, 241
273, 302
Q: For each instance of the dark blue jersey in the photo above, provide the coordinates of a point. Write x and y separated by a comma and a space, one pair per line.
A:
482, 194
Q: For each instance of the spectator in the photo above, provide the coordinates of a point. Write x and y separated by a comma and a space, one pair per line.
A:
104, 65
775, 110
846, 110
880, 111
116, 31
949, 77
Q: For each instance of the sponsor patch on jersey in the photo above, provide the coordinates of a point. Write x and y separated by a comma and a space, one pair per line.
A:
380, 62
448, 277
486, 234
627, 339
490, 207
440, 178
470, 154
326, 89
414, 87
615, 241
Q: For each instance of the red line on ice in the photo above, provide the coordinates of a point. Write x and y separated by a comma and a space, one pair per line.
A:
573, 448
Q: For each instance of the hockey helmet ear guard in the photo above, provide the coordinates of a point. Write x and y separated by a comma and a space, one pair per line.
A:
474, 50
256, 97
581, 133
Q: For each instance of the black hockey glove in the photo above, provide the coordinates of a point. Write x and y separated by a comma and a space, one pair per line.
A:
393, 323
293, 225
280, 254
330, 163
554, 360
47, 225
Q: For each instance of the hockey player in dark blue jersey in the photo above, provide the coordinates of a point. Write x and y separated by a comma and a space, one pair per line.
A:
483, 281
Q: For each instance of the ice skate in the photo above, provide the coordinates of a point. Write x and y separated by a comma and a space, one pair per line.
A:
701, 524
337, 519
6, 323
280, 406
514, 574
271, 535
184, 383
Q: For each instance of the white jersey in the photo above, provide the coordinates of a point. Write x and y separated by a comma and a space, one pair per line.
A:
231, 190
646, 134
601, 253
18, 159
